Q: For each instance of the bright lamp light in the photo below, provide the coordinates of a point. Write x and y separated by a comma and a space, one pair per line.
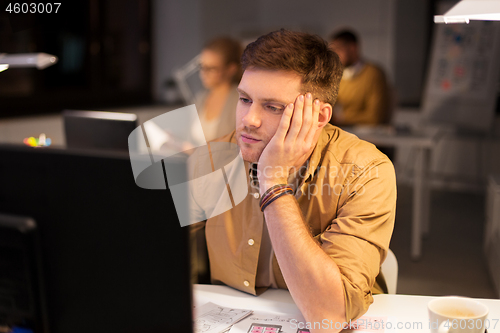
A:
38, 60
467, 10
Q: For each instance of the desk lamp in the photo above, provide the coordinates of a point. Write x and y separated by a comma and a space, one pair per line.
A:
466, 10
181, 75
38, 60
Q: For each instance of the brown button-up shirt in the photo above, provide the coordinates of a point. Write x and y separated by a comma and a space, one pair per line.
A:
348, 198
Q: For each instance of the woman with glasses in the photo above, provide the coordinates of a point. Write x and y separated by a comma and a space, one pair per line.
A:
220, 72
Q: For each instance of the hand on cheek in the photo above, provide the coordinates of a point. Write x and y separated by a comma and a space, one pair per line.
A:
292, 143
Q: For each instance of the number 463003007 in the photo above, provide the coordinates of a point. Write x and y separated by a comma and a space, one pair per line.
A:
33, 8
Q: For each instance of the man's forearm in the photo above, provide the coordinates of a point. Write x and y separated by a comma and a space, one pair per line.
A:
317, 286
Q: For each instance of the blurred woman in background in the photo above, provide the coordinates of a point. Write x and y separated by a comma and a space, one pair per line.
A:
220, 73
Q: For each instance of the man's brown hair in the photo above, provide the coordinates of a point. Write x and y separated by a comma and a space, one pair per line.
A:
305, 54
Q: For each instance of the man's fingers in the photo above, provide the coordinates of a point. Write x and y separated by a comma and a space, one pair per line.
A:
307, 118
314, 123
284, 122
296, 124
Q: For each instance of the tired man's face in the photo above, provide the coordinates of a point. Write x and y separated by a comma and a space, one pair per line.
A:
263, 96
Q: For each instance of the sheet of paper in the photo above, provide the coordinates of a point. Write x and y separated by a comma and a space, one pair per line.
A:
212, 318
282, 323
265, 322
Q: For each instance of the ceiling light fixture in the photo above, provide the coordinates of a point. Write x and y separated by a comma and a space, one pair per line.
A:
467, 10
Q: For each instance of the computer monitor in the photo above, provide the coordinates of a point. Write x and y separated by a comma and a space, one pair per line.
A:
98, 130
114, 256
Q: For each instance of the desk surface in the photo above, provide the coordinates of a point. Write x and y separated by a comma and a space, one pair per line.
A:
404, 308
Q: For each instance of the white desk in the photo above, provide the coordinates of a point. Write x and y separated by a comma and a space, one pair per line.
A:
402, 307
422, 144
272, 300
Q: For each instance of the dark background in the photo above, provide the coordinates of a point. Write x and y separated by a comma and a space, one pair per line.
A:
104, 56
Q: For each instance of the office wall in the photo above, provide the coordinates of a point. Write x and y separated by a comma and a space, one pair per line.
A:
412, 36
176, 38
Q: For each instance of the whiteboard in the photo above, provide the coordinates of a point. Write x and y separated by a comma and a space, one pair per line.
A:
462, 83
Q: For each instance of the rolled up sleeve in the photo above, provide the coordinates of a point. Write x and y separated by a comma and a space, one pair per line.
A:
358, 238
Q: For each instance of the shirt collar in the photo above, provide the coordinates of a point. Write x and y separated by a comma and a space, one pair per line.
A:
352, 71
327, 134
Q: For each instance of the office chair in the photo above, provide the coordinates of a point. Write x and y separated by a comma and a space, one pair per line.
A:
389, 269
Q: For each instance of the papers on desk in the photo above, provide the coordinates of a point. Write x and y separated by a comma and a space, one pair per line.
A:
282, 323
268, 323
212, 318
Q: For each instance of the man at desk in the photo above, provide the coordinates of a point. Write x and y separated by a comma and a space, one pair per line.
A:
363, 97
320, 210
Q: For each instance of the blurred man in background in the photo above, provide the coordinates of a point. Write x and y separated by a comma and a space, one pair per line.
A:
364, 97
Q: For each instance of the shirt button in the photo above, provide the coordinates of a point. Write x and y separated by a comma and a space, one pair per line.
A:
256, 195
246, 283
251, 242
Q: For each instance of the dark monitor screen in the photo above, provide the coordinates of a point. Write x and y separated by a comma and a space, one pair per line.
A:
114, 256
98, 130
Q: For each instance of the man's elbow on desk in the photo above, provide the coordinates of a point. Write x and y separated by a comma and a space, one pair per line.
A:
318, 320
